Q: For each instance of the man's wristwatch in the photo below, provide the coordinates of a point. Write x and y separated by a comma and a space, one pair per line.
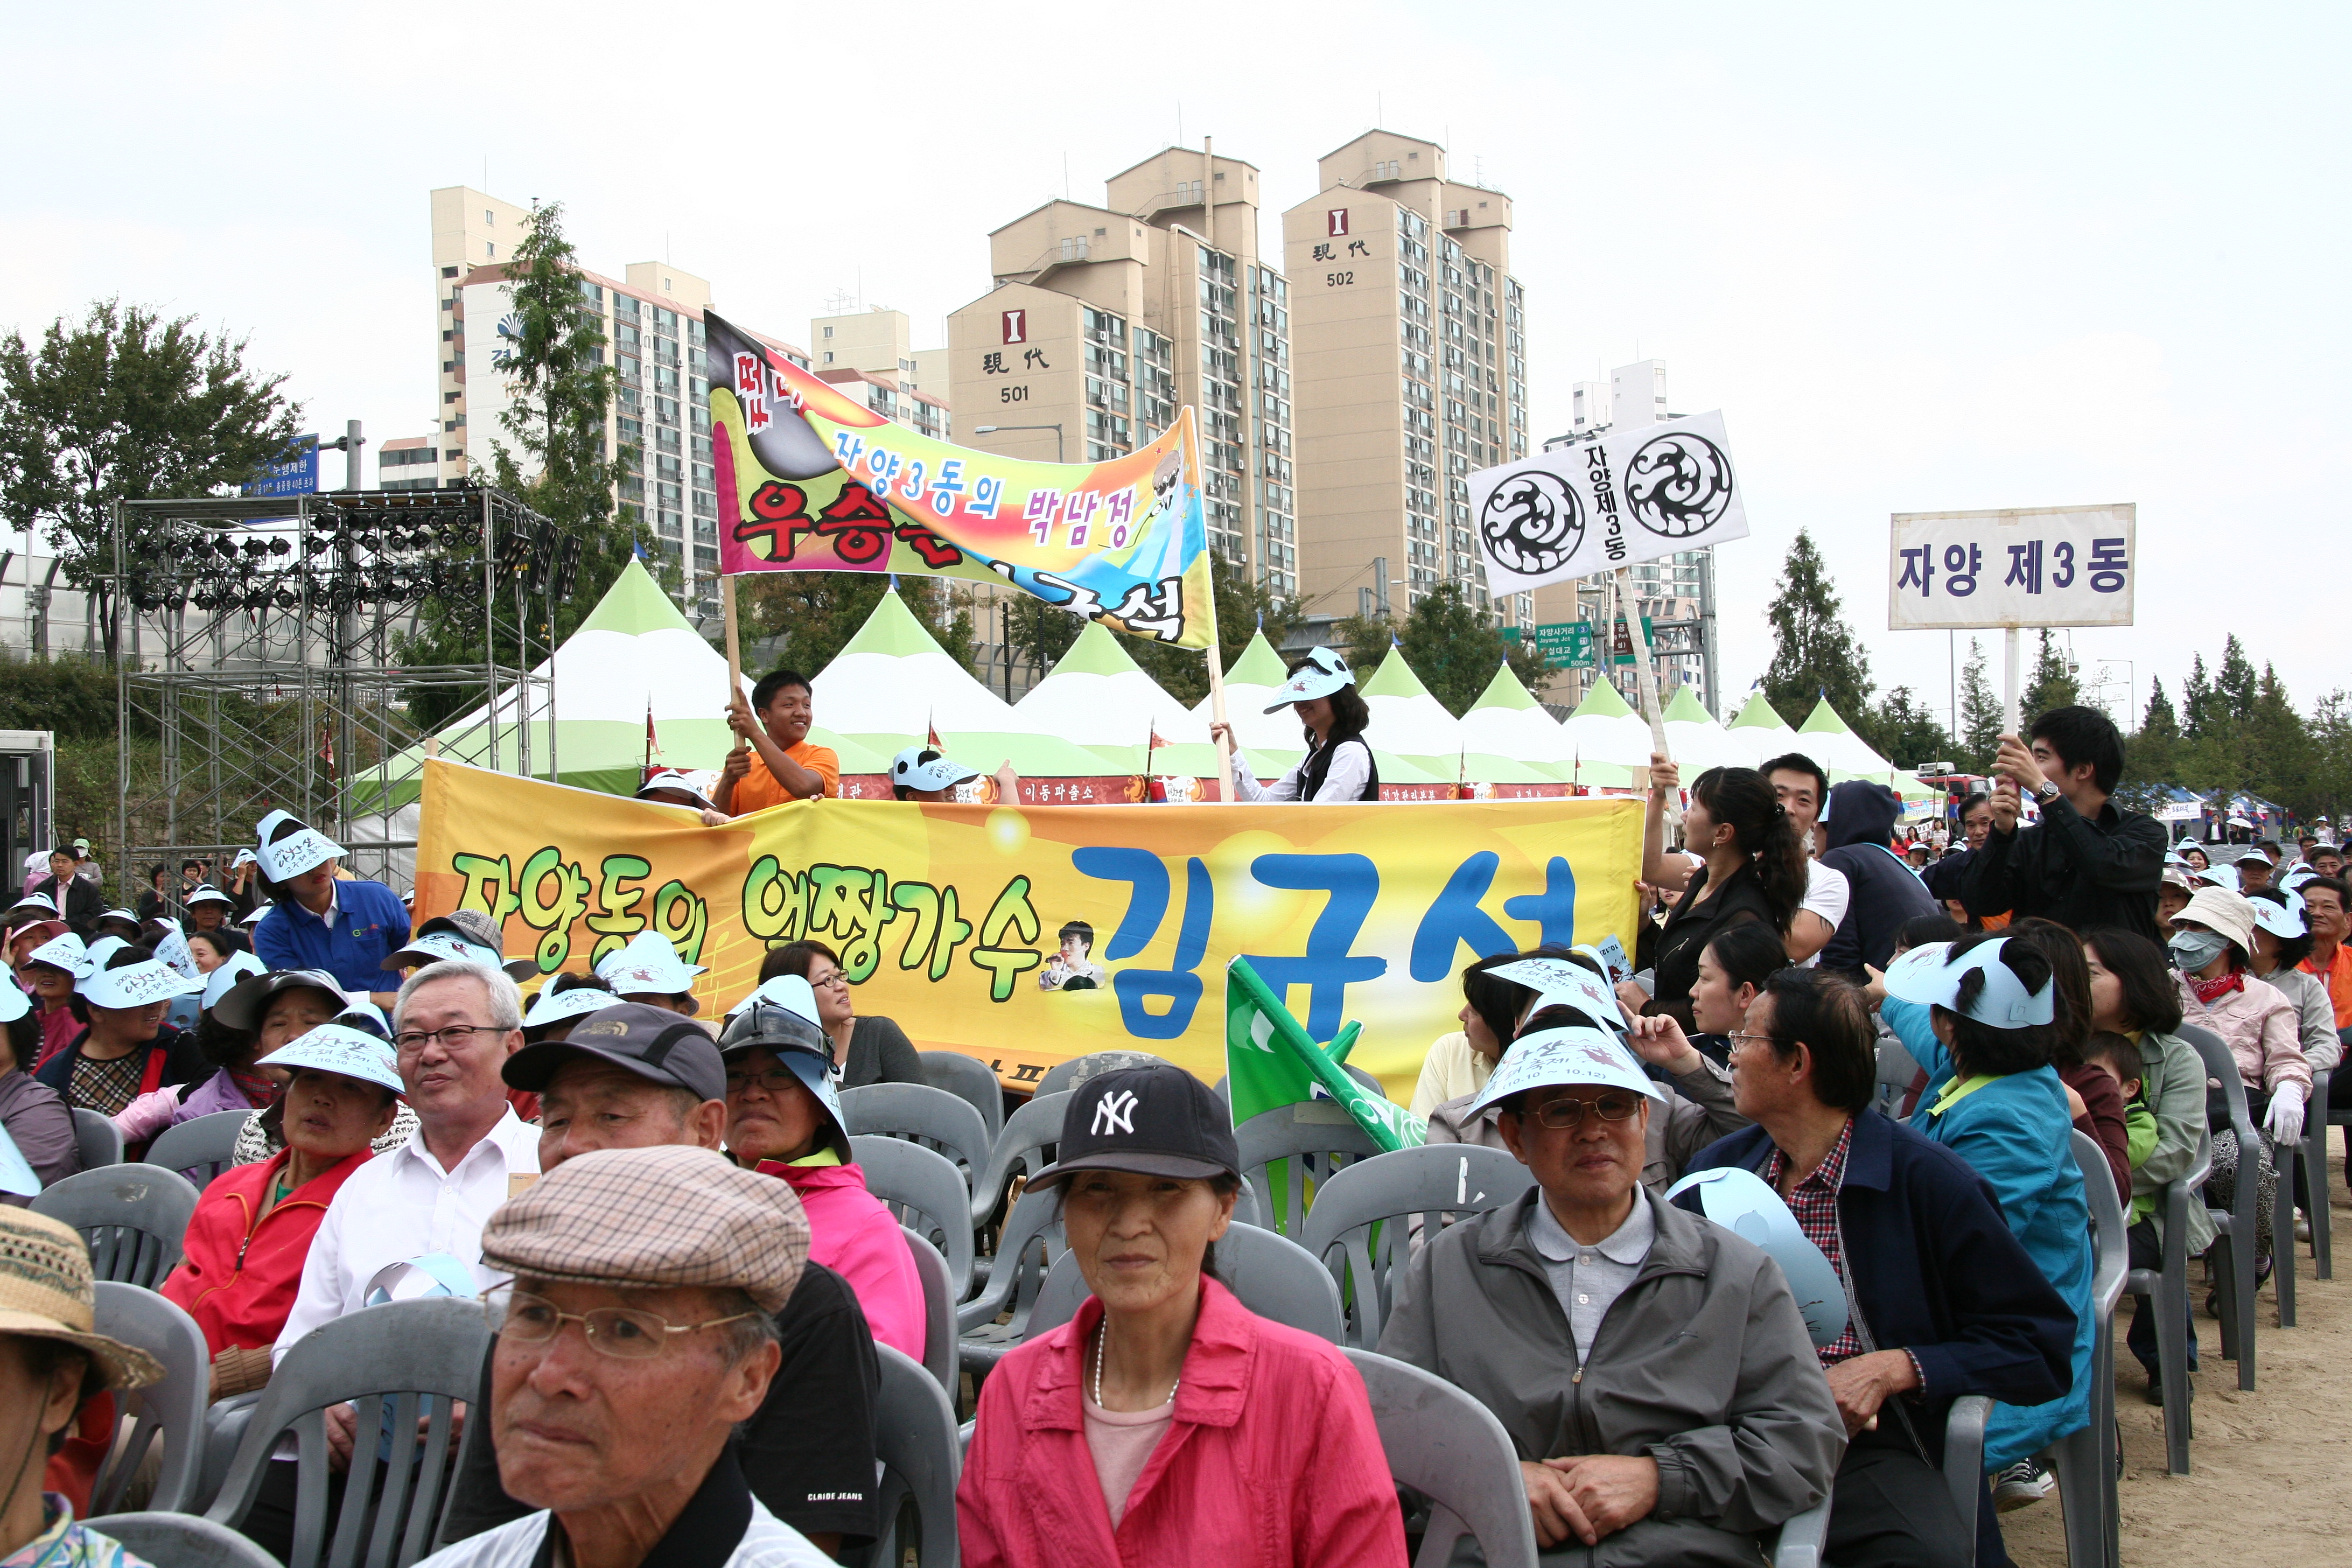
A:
2047, 792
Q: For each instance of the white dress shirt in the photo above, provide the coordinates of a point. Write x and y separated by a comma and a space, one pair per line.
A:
1350, 771
401, 1206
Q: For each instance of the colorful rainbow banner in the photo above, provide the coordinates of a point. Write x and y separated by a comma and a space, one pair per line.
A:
812, 480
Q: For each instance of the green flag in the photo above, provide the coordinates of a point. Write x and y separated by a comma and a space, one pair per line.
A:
1271, 1063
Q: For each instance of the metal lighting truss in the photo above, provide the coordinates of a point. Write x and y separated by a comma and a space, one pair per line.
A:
260, 662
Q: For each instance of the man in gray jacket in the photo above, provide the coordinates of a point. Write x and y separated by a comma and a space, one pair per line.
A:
1651, 1368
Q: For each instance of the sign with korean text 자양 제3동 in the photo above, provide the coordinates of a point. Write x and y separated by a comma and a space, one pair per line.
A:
1632, 494
1026, 935
2038, 566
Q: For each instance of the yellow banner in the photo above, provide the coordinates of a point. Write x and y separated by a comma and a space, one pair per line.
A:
1026, 935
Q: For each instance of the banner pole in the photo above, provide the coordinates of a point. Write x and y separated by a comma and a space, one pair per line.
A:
1645, 671
734, 649
1217, 694
2009, 638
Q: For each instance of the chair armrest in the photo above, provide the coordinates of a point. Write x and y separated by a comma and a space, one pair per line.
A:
1964, 1436
1801, 1538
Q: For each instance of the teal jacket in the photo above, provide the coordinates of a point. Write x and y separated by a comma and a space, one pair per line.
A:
2014, 1130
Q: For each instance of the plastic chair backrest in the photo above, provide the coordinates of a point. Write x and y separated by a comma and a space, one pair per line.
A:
172, 1411
926, 1192
1449, 1448
970, 1080
1020, 1148
383, 1360
182, 1540
1273, 1276
1363, 1222
199, 1150
2221, 1065
939, 1310
942, 1122
134, 1217
96, 1139
915, 1441
1315, 1140
1068, 1075
1026, 1247
2111, 1252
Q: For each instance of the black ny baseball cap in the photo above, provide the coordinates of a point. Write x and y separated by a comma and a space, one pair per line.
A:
654, 1043
1156, 1120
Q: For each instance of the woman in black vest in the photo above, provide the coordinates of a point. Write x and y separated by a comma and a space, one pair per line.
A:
1338, 764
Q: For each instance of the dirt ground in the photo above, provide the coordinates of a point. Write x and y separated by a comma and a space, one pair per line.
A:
2268, 1470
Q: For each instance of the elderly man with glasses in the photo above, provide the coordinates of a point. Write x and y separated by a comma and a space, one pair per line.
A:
1652, 1370
636, 1333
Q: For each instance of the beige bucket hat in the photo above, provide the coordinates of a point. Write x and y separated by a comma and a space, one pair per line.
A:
46, 1293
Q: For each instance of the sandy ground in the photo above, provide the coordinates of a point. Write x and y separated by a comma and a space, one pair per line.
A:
2271, 1470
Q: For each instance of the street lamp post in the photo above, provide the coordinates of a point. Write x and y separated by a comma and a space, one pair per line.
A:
1057, 429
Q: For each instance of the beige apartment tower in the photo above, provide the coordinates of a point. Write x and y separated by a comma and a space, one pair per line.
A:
1410, 348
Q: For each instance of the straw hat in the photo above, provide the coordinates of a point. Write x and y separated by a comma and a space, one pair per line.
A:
46, 1293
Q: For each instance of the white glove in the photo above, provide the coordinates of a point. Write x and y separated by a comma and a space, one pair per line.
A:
2285, 1124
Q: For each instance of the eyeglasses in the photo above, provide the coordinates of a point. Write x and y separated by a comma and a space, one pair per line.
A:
454, 1036
623, 1332
1567, 1115
773, 1079
838, 977
1738, 1039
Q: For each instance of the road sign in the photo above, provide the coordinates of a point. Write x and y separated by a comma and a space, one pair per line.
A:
1568, 645
296, 473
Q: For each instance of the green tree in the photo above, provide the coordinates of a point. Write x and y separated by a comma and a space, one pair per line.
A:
1815, 654
2151, 756
2052, 684
2197, 708
1905, 732
2234, 685
1244, 607
127, 405
1453, 646
2329, 792
2279, 746
815, 613
1980, 713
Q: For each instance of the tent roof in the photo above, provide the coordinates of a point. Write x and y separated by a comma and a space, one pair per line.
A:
1259, 665
1698, 742
1686, 709
1408, 721
1100, 697
1757, 712
1602, 702
1507, 721
1505, 690
1831, 741
1603, 730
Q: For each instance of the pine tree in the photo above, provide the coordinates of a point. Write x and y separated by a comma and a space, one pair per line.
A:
1980, 715
2052, 684
1815, 654
2195, 700
2278, 746
2233, 683
1906, 732
2152, 755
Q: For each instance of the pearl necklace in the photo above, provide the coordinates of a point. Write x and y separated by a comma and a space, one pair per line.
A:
1102, 1338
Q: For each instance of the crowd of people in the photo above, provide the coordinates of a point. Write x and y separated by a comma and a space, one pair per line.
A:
687, 1278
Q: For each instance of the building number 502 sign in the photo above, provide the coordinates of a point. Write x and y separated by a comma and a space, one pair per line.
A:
1338, 279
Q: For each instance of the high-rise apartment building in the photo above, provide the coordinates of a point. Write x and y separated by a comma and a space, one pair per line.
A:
652, 322
1104, 321
868, 354
1410, 344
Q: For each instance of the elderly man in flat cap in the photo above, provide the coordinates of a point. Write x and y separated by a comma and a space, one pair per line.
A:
637, 1331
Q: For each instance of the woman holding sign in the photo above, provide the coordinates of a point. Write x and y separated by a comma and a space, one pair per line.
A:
1338, 764
1753, 868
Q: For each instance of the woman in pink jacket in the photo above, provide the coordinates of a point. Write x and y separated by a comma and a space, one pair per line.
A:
2212, 940
1166, 1424
783, 1119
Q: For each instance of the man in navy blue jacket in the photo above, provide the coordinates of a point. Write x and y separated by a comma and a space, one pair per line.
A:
1859, 819
1942, 1298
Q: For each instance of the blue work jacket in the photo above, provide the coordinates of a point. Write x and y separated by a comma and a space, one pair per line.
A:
373, 926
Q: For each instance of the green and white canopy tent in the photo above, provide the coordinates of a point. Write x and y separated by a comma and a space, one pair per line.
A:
1407, 722
892, 685
635, 654
1698, 742
1831, 741
1273, 742
1100, 697
1507, 721
1610, 741
1760, 727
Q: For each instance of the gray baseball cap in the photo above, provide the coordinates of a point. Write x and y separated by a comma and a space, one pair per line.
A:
652, 1042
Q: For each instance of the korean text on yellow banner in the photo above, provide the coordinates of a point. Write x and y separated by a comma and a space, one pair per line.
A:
1027, 935
811, 479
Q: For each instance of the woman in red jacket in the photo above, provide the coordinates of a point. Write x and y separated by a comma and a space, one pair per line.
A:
1166, 1424
252, 1228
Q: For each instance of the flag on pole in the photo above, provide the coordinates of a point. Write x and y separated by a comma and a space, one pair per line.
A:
1270, 1062
811, 480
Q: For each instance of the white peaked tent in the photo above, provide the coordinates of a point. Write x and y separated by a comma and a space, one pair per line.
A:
1408, 721
1832, 743
1610, 742
1273, 741
1100, 697
1760, 728
1698, 742
1507, 721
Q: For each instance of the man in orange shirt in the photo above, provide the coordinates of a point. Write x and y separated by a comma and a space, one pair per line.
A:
779, 765
2322, 910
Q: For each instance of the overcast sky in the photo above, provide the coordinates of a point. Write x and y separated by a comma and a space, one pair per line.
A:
1922, 259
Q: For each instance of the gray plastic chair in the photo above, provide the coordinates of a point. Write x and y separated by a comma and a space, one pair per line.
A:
1803, 1537
96, 1139
1315, 1140
1896, 1070
2233, 1257
200, 1149
925, 1193
134, 1217
942, 1122
2085, 1460
916, 1447
2306, 1157
970, 1080
172, 1411
182, 1540
1025, 1249
1964, 1435
380, 1359
1450, 1449
1361, 1224
1273, 1277
2167, 1288
938, 1312
1068, 1075
1020, 1150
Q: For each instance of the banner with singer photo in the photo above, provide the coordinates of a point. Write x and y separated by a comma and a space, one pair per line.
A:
811, 479
1027, 935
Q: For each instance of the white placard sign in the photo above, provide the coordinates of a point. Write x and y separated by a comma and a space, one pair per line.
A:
2038, 567
1558, 980
1633, 495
